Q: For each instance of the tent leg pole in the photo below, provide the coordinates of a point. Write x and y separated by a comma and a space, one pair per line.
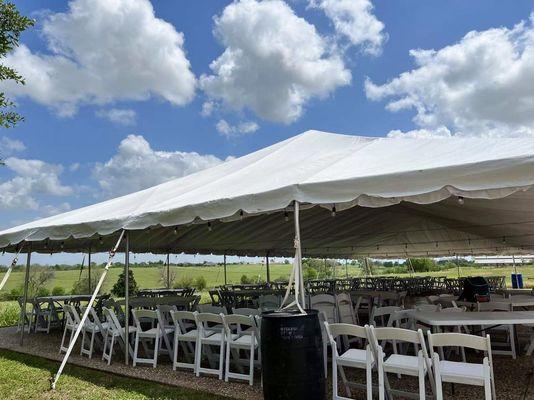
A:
268, 268
127, 296
224, 265
10, 269
168, 271
25, 296
89, 269
85, 314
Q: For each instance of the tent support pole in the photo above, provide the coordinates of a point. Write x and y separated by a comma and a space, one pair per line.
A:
268, 268
89, 268
224, 265
126, 294
86, 314
346, 269
168, 271
13, 264
25, 297
296, 273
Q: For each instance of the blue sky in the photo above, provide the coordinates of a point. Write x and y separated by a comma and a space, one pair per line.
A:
74, 148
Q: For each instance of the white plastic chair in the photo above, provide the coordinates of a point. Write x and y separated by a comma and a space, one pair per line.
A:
509, 330
417, 365
210, 309
325, 304
428, 307
246, 311
115, 334
462, 372
166, 325
246, 339
148, 335
352, 358
72, 320
345, 309
93, 326
208, 337
381, 313
186, 337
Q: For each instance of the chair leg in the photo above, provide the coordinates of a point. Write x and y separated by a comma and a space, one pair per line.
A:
198, 356
136, 348
334, 378
156, 351
91, 347
512, 341
65, 334
422, 390
221, 359
251, 365
111, 349
381, 394
227, 364
369, 383
175, 352
437, 376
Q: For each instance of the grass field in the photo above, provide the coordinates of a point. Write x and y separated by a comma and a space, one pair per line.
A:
26, 377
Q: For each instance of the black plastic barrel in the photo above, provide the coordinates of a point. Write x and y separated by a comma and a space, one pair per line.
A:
292, 356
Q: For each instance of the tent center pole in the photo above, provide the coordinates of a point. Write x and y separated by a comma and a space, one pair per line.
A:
267, 267
224, 266
25, 297
86, 314
168, 271
126, 295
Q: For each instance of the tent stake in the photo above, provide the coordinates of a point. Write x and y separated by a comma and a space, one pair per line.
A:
55, 378
13, 264
25, 297
126, 295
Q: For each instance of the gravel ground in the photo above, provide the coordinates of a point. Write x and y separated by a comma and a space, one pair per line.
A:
514, 378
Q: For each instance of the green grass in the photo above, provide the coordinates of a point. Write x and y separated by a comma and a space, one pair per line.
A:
26, 377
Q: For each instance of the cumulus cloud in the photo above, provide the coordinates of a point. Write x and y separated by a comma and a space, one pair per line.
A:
242, 128
33, 178
137, 166
101, 51
9, 146
483, 85
118, 116
355, 21
274, 62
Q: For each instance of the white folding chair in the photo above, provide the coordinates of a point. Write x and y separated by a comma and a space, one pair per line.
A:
166, 325
382, 314
246, 339
152, 334
246, 311
462, 372
352, 358
208, 308
428, 307
509, 330
345, 309
325, 304
208, 337
72, 320
186, 337
115, 334
93, 326
417, 365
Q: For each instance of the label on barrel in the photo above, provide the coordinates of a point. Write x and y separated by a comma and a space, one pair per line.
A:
291, 332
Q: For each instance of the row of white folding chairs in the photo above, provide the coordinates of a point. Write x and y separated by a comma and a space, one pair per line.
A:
421, 364
230, 334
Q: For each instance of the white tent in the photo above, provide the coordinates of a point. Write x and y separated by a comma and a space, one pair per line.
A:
391, 197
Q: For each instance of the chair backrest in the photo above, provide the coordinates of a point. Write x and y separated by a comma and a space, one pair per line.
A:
432, 299
459, 340
401, 319
151, 315
398, 335
165, 314
245, 311
71, 313
208, 308
112, 320
453, 309
326, 304
345, 309
495, 306
269, 302
334, 331
239, 323
381, 312
184, 321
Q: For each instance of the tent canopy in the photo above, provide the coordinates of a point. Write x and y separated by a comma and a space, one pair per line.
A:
391, 197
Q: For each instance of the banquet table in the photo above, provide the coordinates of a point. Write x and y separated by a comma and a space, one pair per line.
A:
438, 319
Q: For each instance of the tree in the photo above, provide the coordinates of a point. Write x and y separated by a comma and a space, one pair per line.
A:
12, 24
118, 289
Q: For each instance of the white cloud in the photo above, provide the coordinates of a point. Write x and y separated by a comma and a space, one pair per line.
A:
118, 116
207, 108
74, 167
137, 166
354, 20
9, 146
483, 85
274, 62
33, 178
242, 128
50, 210
439, 132
102, 51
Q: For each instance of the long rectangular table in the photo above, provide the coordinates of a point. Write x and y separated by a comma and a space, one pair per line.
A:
486, 318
